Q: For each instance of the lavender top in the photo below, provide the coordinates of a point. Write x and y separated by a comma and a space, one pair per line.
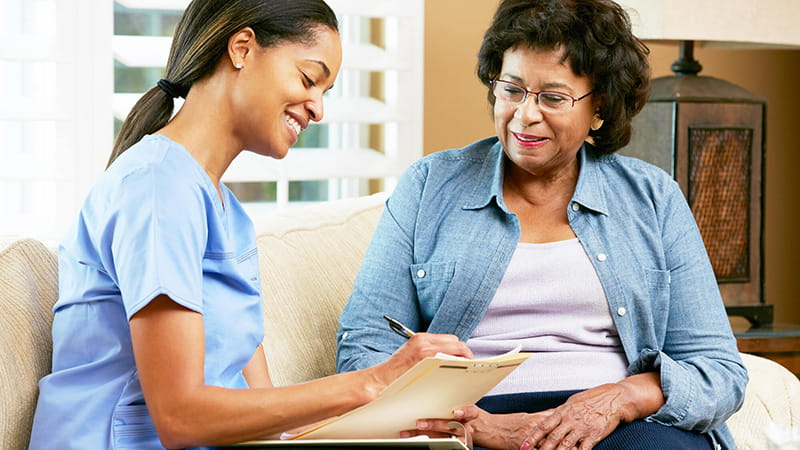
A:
550, 302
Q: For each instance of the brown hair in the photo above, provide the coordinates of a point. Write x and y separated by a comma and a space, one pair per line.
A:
200, 41
597, 38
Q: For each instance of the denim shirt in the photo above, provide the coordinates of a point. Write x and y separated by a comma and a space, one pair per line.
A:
446, 238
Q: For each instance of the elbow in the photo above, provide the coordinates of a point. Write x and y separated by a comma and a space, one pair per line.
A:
175, 430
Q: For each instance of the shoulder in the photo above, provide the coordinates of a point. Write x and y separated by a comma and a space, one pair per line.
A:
154, 173
454, 160
158, 157
625, 173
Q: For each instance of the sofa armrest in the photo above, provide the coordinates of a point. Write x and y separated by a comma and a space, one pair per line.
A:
772, 395
28, 291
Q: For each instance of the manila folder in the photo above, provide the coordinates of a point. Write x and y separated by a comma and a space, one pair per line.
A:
429, 390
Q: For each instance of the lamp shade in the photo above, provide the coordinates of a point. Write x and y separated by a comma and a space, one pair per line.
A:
736, 23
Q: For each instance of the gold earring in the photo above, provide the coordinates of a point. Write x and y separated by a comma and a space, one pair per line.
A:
597, 122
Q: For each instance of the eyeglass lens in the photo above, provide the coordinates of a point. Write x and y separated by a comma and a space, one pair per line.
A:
513, 93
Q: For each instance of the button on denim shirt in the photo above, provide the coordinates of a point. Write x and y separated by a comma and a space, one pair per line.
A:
445, 239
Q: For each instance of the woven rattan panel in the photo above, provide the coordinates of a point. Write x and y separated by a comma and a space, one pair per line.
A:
719, 194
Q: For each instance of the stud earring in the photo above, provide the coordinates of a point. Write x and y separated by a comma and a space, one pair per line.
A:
239, 65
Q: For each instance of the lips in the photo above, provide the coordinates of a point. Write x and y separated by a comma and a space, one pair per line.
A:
529, 140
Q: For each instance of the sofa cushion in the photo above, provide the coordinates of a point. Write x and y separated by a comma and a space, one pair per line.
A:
28, 291
309, 259
771, 396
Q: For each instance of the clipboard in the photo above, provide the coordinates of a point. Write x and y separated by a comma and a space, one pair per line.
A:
431, 389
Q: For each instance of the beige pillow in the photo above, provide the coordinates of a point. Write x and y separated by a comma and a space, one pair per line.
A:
309, 259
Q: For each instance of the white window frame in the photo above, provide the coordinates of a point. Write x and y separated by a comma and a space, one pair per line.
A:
56, 127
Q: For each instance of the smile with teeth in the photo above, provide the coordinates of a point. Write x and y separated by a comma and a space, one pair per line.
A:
528, 138
294, 124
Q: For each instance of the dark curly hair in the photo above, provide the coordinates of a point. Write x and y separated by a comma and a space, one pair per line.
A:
599, 44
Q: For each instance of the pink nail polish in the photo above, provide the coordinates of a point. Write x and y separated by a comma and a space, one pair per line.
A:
525, 446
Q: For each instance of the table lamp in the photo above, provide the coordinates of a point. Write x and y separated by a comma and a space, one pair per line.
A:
709, 133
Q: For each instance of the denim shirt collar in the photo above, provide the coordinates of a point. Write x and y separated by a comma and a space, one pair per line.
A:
588, 191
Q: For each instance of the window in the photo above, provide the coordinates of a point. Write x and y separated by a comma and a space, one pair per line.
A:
55, 110
71, 69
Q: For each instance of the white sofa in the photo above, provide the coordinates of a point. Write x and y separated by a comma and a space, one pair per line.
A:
309, 259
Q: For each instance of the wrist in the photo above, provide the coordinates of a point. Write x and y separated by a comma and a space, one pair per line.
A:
643, 396
369, 384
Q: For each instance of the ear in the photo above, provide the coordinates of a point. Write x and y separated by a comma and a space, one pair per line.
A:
240, 46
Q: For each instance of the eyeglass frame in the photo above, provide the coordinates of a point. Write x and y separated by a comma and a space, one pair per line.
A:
493, 84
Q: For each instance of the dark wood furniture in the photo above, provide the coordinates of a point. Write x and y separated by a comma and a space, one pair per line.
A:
777, 342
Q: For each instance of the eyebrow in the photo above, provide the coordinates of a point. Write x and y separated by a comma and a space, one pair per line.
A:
549, 85
323, 65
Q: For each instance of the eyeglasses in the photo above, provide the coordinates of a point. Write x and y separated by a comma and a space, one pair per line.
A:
549, 101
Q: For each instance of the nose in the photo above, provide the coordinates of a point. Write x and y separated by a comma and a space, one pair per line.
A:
315, 108
529, 110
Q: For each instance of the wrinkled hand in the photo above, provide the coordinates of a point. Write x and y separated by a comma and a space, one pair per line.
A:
588, 417
581, 422
486, 430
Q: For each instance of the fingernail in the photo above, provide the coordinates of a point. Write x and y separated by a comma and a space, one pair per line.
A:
525, 446
422, 425
458, 413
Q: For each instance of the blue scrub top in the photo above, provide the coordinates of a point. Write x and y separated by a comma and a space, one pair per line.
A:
153, 224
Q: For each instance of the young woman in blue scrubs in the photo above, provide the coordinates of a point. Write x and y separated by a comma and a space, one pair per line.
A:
158, 328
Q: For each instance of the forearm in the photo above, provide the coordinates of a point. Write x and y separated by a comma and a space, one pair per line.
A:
210, 415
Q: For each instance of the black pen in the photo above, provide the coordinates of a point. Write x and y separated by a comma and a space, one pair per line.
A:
399, 328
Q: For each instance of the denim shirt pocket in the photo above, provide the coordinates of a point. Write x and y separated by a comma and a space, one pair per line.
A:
431, 281
132, 428
658, 284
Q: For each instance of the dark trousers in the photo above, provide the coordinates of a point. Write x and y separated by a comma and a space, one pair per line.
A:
637, 435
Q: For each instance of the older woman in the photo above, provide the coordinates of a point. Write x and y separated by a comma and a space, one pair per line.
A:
542, 237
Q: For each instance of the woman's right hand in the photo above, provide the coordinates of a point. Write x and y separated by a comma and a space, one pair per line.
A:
418, 347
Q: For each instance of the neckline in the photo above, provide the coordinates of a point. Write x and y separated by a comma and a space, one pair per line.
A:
536, 245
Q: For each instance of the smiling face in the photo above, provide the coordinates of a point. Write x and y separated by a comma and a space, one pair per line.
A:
280, 89
538, 142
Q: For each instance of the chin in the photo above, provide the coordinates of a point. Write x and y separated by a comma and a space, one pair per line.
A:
277, 150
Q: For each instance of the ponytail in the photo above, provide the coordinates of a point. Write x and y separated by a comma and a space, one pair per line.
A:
151, 113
